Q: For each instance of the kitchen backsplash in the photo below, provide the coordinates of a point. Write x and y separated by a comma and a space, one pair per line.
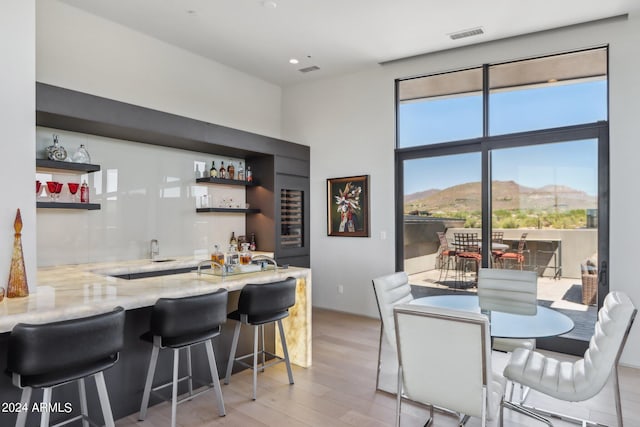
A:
146, 192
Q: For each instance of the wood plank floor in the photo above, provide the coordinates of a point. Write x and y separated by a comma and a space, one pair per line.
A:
339, 390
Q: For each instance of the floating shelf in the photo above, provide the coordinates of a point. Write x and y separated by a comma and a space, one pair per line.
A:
228, 210
63, 205
222, 181
43, 164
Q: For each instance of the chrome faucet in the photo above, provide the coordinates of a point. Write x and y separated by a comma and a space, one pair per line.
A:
154, 249
266, 259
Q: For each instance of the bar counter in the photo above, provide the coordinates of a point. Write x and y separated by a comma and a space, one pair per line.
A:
71, 291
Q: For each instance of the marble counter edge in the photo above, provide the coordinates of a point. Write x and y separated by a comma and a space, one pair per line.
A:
170, 286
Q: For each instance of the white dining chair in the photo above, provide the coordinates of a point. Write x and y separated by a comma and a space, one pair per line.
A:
445, 361
389, 290
509, 291
584, 378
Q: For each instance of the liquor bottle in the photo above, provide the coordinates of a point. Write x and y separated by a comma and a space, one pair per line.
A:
252, 245
213, 172
84, 192
222, 172
231, 171
240, 172
233, 240
249, 174
217, 256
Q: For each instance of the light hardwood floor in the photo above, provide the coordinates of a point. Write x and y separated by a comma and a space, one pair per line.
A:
339, 390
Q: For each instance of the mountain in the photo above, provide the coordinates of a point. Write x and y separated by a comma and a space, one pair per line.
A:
420, 195
507, 195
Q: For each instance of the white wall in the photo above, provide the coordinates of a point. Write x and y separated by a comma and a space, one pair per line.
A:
145, 192
80, 51
17, 129
349, 124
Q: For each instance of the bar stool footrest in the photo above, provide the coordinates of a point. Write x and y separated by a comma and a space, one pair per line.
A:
208, 387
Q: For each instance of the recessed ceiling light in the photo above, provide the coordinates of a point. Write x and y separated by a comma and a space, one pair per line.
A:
269, 4
293, 61
552, 80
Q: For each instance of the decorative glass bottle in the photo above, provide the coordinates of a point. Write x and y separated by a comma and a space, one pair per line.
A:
81, 155
17, 286
56, 151
84, 192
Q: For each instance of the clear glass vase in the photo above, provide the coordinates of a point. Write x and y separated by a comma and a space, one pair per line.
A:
81, 155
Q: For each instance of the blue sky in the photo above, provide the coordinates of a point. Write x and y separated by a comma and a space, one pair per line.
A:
573, 164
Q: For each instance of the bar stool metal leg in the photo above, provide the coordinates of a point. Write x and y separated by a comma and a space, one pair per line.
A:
255, 360
149, 382
263, 348
82, 391
46, 400
232, 355
285, 351
174, 393
214, 377
21, 421
104, 400
189, 371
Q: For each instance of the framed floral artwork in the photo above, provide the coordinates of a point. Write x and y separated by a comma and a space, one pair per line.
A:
348, 206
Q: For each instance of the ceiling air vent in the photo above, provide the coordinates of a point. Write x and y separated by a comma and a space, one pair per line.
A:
309, 69
466, 33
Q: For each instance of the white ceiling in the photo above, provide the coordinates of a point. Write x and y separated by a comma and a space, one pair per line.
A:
338, 36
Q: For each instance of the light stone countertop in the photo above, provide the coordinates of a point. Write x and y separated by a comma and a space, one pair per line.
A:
71, 291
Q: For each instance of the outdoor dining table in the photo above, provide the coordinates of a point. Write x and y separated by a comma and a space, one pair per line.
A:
545, 323
495, 246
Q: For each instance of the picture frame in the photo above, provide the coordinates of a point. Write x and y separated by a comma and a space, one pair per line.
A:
348, 206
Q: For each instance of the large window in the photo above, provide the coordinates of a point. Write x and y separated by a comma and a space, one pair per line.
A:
431, 108
522, 156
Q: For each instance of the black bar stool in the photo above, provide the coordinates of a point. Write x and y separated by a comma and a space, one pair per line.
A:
257, 306
179, 323
49, 355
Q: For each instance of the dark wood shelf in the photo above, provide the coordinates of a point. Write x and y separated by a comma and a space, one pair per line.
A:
222, 181
66, 166
64, 205
228, 210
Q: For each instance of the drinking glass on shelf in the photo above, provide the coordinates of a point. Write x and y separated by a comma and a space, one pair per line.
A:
51, 187
73, 189
59, 186
38, 188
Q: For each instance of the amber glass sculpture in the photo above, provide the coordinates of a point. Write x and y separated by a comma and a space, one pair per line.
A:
17, 286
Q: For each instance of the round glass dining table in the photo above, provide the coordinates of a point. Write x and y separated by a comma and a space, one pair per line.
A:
545, 323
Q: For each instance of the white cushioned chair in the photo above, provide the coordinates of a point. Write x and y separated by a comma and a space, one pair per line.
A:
508, 291
580, 380
390, 290
445, 360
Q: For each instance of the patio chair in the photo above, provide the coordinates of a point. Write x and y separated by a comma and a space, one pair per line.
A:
496, 237
589, 270
582, 379
445, 255
515, 257
445, 360
467, 249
